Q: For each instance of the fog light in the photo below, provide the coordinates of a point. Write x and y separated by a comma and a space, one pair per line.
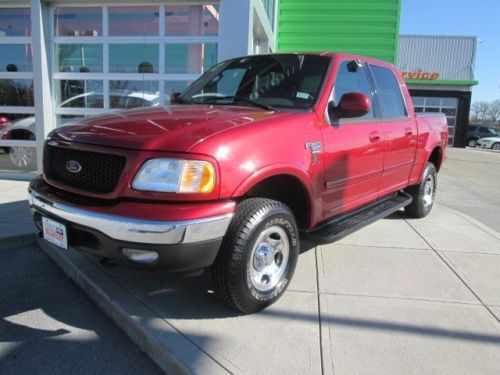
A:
140, 256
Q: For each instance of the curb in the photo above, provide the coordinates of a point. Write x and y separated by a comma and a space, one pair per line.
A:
162, 342
17, 241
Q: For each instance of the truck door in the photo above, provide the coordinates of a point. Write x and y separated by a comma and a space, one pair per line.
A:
353, 148
398, 129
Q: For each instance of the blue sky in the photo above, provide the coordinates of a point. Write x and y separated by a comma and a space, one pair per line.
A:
462, 17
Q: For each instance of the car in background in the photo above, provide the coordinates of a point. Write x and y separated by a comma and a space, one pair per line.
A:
4, 121
23, 157
475, 132
492, 143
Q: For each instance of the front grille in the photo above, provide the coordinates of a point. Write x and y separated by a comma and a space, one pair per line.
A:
99, 172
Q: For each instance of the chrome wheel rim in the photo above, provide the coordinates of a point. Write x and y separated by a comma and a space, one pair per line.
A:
429, 188
496, 146
269, 259
472, 143
21, 157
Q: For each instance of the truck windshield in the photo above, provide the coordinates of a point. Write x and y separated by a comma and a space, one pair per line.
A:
266, 81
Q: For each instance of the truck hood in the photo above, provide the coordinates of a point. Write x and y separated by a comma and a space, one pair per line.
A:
175, 128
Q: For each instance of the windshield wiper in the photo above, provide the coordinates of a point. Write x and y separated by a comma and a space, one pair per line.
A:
246, 100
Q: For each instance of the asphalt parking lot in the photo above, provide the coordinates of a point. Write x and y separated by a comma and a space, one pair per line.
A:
399, 296
470, 183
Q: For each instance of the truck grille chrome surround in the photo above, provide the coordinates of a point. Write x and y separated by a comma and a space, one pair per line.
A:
84, 170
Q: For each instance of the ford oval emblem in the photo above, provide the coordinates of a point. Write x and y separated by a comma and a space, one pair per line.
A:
73, 166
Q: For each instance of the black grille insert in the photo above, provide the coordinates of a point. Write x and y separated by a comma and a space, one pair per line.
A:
99, 172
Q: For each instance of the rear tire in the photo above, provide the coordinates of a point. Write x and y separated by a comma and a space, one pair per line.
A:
258, 255
423, 194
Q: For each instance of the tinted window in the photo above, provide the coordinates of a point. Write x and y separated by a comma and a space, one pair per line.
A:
284, 80
351, 81
389, 93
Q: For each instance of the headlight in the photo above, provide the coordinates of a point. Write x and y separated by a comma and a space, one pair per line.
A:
175, 176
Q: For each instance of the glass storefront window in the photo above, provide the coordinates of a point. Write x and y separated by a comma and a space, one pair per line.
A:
450, 111
432, 102
80, 94
417, 101
450, 102
15, 22
448, 106
16, 92
190, 58
81, 58
211, 20
174, 86
133, 20
432, 110
269, 8
133, 58
16, 58
66, 119
78, 21
17, 159
132, 94
191, 20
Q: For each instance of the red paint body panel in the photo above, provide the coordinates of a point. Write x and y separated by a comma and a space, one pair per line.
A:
247, 145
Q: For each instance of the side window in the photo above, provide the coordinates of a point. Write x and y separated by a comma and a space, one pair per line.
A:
389, 93
352, 81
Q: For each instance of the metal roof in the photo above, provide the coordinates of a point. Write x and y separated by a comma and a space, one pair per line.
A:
452, 57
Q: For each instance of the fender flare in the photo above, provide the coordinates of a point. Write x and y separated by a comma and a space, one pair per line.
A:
277, 170
436, 145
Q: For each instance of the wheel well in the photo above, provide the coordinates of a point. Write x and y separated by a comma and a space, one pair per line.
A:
436, 157
288, 190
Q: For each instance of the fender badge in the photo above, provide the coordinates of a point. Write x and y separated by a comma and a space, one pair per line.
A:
315, 148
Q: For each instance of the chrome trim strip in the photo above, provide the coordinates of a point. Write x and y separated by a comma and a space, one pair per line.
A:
135, 230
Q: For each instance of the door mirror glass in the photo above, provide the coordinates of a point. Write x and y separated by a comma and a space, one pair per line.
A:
352, 104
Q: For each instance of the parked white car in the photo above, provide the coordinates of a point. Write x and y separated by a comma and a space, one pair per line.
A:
489, 142
24, 129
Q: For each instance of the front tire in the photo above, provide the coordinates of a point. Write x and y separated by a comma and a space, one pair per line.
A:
258, 255
496, 146
423, 194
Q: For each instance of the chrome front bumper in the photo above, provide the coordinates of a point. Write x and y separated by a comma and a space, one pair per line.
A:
134, 230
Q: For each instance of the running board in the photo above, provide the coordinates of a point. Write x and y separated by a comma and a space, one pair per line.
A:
345, 224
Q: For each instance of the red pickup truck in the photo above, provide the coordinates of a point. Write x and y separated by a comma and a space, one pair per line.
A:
255, 154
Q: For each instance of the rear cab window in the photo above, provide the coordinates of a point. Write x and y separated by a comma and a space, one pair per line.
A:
392, 104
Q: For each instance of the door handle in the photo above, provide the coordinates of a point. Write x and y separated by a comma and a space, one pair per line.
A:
374, 137
408, 132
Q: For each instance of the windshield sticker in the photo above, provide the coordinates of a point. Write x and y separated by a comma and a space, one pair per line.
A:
302, 95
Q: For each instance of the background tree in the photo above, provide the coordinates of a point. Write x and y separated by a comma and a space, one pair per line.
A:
485, 113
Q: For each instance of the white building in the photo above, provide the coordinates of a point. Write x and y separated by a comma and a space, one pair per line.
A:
65, 59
